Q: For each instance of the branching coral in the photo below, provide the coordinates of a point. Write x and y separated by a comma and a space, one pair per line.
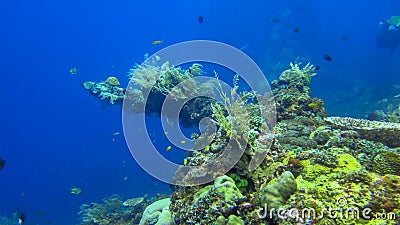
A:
236, 125
111, 211
169, 80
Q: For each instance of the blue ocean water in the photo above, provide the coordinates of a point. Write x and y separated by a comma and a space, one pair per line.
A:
56, 136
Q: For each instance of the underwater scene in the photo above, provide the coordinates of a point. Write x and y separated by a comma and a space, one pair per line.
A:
200, 112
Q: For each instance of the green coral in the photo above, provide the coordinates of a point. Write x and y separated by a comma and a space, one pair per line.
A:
236, 125
169, 80
240, 182
157, 213
386, 163
323, 187
234, 220
113, 81
208, 204
275, 194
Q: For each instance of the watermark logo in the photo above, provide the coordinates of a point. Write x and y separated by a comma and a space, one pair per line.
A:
342, 211
134, 125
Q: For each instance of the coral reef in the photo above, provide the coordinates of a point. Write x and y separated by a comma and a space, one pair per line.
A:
159, 83
113, 210
275, 195
387, 109
132, 202
157, 213
327, 161
113, 81
312, 161
209, 204
394, 20
386, 163
385, 132
106, 90
9, 219
293, 95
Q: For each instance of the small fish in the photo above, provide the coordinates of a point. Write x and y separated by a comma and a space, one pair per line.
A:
183, 142
116, 133
73, 71
185, 162
274, 19
21, 217
125, 178
157, 42
317, 67
328, 58
396, 96
168, 148
345, 38
76, 191
207, 148
297, 30
313, 105
200, 19
2, 163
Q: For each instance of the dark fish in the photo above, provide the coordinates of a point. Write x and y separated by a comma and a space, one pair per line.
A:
274, 19
345, 38
2, 163
297, 30
200, 19
328, 58
317, 67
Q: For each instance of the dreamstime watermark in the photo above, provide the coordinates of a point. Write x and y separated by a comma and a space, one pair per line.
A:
342, 211
136, 133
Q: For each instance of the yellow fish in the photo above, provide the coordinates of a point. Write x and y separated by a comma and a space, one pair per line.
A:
157, 42
185, 162
168, 148
73, 71
183, 142
207, 148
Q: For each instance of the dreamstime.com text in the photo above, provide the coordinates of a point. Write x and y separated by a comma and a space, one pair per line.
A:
339, 212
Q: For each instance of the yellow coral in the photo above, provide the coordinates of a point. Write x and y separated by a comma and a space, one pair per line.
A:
113, 81
347, 162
